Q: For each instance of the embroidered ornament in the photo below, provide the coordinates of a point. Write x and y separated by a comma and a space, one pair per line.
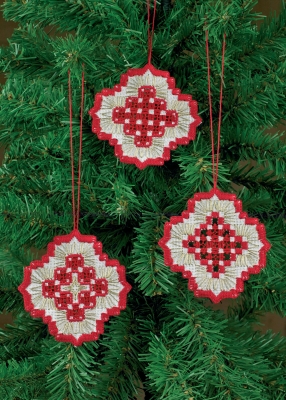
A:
144, 117
75, 288
215, 245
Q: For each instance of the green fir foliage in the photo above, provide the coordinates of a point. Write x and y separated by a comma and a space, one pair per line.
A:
167, 343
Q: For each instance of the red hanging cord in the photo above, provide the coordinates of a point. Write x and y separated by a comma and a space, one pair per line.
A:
215, 159
80, 148
210, 104
76, 209
72, 155
150, 34
220, 107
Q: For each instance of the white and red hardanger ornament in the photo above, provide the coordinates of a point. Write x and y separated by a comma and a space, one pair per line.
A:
75, 288
215, 245
144, 117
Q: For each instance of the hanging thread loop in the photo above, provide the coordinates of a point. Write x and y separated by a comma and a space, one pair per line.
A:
76, 207
150, 32
215, 157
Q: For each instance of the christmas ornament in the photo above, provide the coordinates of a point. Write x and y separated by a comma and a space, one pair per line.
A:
145, 116
214, 244
75, 287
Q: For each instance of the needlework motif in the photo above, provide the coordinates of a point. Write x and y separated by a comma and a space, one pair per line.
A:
75, 288
144, 117
215, 245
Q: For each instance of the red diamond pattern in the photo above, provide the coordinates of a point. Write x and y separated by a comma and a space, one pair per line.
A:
145, 116
74, 288
215, 244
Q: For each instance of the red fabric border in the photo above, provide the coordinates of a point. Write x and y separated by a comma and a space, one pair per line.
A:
192, 285
96, 128
99, 324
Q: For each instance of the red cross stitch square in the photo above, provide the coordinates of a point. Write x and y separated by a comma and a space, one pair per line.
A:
100, 287
87, 300
63, 300
49, 288
86, 275
76, 314
62, 276
74, 261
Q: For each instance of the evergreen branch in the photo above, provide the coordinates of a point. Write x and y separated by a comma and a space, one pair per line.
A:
196, 168
32, 222
188, 351
255, 177
269, 37
25, 55
11, 299
24, 379
257, 100
122, 201
264, 204
153, 277
11, 273
73, 371
23, 339
248, 143
194, 356
29, 108
119, 373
